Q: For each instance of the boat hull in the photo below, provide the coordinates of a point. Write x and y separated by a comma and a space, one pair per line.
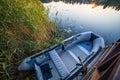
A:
66, 59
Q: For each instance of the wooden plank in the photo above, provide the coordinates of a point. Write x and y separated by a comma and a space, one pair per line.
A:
106, 53
115, 68
95, 75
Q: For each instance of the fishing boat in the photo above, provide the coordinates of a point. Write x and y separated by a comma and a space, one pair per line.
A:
65, 60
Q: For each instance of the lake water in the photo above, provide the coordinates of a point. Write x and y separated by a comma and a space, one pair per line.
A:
75, 18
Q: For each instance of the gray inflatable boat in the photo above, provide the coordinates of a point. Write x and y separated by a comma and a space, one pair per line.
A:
66, 60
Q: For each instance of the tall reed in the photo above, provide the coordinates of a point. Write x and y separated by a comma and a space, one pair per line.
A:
24, 28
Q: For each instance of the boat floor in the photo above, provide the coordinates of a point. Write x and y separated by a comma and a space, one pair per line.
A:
79, 50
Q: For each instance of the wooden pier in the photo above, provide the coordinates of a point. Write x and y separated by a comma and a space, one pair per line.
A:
107, 66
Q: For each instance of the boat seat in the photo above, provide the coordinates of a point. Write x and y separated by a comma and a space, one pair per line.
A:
74, 56
60, 66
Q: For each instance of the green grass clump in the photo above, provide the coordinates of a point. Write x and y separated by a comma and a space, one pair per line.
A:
24, 29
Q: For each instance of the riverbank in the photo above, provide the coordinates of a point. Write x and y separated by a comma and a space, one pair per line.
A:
24, 29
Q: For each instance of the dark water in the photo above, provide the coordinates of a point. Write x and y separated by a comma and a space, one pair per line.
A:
75, 18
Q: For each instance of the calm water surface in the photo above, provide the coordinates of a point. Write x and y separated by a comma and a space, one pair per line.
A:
75, 18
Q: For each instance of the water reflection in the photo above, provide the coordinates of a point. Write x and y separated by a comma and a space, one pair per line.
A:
106, 3
75, 18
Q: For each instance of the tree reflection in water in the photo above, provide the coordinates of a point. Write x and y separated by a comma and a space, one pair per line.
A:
106, 3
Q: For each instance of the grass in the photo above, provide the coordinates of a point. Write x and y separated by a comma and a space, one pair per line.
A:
24, 29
